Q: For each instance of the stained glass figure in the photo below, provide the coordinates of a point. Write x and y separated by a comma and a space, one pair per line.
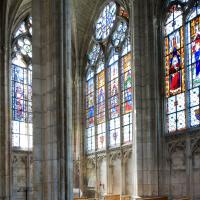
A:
113, 90
106, 21
126, 80
101, 97
174, 63
21, 81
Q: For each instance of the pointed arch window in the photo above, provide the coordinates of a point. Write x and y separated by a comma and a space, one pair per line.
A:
110, 59
21, 85
182, 68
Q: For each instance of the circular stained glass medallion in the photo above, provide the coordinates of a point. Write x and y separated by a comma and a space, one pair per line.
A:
105, 21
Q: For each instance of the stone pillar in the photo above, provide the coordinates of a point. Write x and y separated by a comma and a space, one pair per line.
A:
145, 118
123, 176
5, 151
52, 100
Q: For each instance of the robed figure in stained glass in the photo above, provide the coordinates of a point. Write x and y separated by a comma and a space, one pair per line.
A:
196, 52
114, 101
19, 102
175, 65
91, 115
128, 92
101, 105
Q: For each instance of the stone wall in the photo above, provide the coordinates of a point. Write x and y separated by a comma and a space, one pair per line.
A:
22, 174
183, 166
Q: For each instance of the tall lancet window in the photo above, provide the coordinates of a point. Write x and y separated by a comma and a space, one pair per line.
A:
182, 68
21, 85
109, 96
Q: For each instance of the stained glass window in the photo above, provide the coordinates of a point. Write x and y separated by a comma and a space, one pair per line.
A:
182, 68
21, 84
110, 58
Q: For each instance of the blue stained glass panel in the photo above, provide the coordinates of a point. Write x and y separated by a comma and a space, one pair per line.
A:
101, 95
91, 112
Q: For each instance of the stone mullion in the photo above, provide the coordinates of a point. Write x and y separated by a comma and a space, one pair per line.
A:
107, 127
106, 108
5, 136
120, 97
122, 187
185, 73
95, 109
95, 126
